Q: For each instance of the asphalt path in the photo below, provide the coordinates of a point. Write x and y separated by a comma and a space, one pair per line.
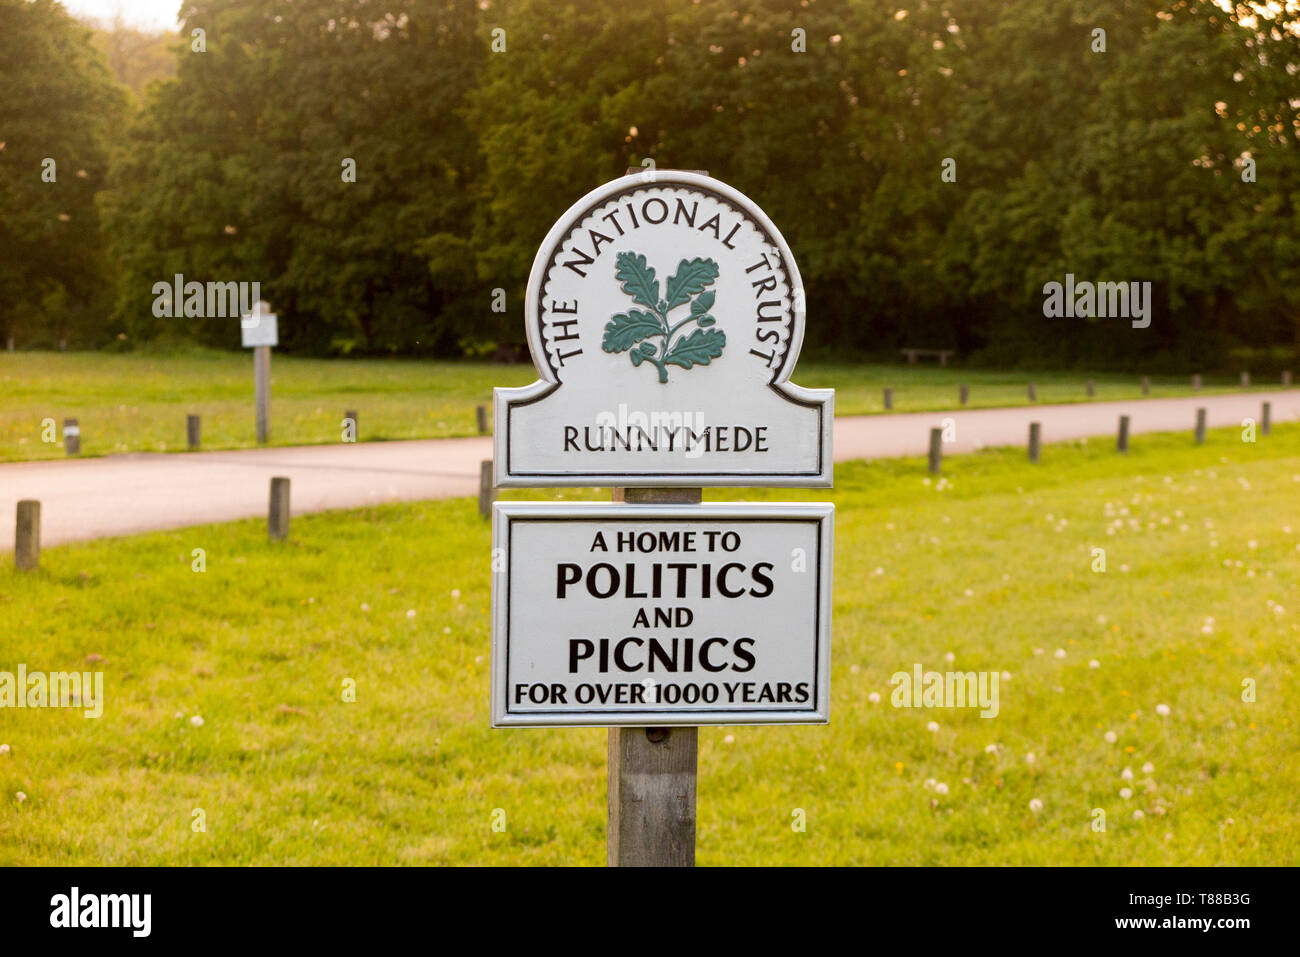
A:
124, 494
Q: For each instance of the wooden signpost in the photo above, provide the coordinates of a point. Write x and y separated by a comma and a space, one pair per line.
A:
664, 314
259, 331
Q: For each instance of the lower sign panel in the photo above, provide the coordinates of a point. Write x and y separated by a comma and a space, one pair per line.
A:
650, 615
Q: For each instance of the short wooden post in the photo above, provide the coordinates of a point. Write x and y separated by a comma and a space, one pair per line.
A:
1200, 426
652, 771
1286, 380
1033, 393
889, 399
277, 519
27, 536
71, 436
1245, 380
936, 450
1196, 382
1091, 388
9, 344
1121, 444
1035, 441
192, 435
262, 386
965, 395
487, 491
1265, 416
1146, 385
481, 413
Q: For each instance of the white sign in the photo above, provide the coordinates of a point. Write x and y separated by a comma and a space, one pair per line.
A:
259, 328
664, 314
654, 615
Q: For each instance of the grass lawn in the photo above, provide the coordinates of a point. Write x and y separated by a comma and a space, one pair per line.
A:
138, 403
991, 564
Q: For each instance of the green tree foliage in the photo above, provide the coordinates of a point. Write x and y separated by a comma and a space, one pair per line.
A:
57, 102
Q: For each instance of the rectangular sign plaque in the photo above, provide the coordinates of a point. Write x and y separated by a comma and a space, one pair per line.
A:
657, 615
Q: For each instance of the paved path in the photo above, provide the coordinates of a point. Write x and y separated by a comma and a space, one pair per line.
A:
123, 494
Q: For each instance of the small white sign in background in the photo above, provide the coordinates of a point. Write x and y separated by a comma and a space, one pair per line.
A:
655, 615
259, 328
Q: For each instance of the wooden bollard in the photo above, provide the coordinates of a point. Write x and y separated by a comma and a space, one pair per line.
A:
192, 435
1035, 441
1196, 382
1265, 417
965, 395
1121, 443
277, 517
27, 536
487, 492
481, 412
1146, 385
889, 399
936, 450
262, 391
1245, 380
71, 436
1286, 380
1033, 393
1092, 389
1200, 426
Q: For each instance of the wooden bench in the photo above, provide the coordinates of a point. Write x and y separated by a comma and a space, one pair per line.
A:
943, 354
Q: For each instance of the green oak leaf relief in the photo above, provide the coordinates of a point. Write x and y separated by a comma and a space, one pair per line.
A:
636, 327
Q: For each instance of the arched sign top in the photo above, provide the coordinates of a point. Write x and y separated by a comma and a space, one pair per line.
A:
664, 314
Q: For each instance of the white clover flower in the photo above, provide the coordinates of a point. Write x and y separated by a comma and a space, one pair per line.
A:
950, 657
1006, 676
1110, 737
928, 783
1162, 710
941, 788
873, 698
932, 726
196, 721
1148, 768
1127, 774
4, 749
364, 606
991, 748
729, 739
1038, 651
1035, 805
1138, 815
1094, 663
20, 797
1029, 758
455, 593
854, 669
1126, 793
1059, 653
410, 613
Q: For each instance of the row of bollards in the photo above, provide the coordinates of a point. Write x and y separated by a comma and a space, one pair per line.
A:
1090, 387
935, 457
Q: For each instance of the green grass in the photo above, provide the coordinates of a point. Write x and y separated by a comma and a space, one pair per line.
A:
138, 402
991, 564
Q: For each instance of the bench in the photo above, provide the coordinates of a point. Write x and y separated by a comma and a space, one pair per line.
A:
911, 354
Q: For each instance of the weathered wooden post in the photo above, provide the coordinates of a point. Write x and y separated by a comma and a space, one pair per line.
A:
965, 394
1286, 380
1196, 382
936, 451
889, 399
487, 493
259, 331
553, 561
1200, 426
277, 518
1121, 444
1033, 393
1091, 387
1265, 415
481, 414
27, 536
192, 436
1245, 380
1146, 385
1035, 441
71, 437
